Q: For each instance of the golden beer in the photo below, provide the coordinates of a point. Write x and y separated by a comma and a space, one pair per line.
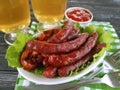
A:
14, 15
49, 11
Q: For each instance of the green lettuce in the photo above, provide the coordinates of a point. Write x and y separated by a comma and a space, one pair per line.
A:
13, 52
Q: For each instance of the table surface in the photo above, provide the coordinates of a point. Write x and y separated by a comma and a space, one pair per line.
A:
103, 10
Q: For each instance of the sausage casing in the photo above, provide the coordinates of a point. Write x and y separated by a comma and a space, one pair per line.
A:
57, 48
66, 59
62, 35
65, 70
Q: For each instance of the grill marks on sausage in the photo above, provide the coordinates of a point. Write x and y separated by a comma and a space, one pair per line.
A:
56, 48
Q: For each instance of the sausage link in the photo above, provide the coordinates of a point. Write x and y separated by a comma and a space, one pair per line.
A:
62, 35
50, 72
45, 62
56, 48
65, 70
73, 34
28, 59
66, 59
45, 35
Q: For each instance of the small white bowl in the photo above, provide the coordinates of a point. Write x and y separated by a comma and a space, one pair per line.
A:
82, 23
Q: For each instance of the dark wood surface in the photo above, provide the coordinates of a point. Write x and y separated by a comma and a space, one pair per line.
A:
103, 10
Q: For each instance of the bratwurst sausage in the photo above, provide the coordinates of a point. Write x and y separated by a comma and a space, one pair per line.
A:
62, 35
56, 48
65, 70
73, 34
45, 35
69, 58
50, 72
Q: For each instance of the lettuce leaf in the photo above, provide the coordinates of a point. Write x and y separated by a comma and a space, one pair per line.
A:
13, 52
106, 37
90, 29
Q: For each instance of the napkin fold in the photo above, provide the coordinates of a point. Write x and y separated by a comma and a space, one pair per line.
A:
21, 82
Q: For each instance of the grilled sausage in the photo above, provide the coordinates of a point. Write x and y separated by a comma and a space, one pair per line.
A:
65, 70
62, 35
66, 59
50, 72
56, 48
45, 35
73, 34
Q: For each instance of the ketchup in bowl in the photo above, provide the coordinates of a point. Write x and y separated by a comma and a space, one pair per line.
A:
79, 14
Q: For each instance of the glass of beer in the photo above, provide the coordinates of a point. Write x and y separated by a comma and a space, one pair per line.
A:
14, 16
49, 12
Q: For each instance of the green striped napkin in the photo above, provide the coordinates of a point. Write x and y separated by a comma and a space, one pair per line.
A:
21, 82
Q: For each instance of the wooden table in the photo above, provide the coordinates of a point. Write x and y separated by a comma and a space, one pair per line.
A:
103, 10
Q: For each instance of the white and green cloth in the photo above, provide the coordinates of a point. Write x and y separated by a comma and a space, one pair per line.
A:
21, 82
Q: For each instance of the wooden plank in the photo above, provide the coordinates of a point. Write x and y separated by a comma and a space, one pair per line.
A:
7, 80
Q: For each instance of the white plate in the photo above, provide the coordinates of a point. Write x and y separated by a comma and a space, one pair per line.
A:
52, 81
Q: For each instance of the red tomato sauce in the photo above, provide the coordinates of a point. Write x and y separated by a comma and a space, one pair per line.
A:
80, 15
